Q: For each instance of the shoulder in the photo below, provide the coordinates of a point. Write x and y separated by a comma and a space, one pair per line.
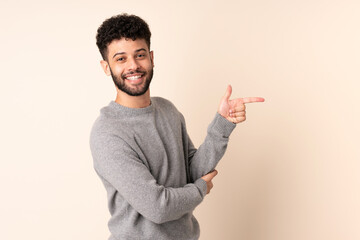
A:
100, 130
109, 137
167, 108
105, 122
159, 101
164, 104
105, 127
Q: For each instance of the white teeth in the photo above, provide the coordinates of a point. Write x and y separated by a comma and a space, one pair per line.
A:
133, 77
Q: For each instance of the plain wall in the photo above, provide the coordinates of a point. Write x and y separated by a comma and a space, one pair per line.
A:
291, 171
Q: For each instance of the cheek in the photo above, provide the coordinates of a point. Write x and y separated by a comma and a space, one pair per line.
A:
117, 70
149, 66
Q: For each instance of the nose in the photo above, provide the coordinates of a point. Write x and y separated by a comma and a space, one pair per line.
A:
132, 64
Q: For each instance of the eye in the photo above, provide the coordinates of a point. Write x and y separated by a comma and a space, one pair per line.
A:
121, 59
140, 55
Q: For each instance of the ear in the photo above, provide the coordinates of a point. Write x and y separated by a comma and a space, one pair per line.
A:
152, 57
105, 66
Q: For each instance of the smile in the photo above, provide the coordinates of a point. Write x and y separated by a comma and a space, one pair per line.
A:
134, 77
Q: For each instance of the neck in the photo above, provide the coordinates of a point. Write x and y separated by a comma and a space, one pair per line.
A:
133, 101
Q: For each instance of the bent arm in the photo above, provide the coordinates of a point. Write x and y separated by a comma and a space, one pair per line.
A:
204, 159
119, 164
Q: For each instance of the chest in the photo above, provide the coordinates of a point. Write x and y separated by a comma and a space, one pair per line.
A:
159, 144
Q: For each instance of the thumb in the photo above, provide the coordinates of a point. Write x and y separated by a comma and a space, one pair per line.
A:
227, 93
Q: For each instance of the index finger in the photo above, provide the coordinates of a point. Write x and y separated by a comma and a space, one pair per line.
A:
252, 99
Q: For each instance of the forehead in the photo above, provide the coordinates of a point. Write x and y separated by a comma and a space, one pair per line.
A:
127, 46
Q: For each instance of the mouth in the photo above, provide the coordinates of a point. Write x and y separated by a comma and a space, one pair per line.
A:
134, 78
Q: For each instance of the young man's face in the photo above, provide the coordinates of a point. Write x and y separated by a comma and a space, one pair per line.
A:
130, 63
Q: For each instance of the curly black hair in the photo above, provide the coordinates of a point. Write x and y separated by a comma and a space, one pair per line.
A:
121, 26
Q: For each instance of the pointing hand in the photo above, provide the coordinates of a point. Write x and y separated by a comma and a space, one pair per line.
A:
234, 110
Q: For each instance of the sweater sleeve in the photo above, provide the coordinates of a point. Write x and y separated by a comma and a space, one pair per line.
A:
119, 164
204, 159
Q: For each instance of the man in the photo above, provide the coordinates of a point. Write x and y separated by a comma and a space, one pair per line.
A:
153, 175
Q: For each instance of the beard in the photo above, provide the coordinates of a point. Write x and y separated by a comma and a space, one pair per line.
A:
138, 90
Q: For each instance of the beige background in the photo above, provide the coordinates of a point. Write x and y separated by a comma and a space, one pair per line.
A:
291, 171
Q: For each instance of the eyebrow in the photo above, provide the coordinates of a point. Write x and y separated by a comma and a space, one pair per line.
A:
138, 50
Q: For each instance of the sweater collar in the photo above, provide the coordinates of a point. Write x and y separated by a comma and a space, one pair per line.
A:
120, 110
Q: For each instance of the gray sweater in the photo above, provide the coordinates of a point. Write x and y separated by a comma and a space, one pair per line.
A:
151, 169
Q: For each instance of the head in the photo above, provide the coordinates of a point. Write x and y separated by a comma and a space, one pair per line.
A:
124, 44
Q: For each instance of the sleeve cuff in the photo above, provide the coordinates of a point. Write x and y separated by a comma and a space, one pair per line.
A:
221, 126
201, 185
